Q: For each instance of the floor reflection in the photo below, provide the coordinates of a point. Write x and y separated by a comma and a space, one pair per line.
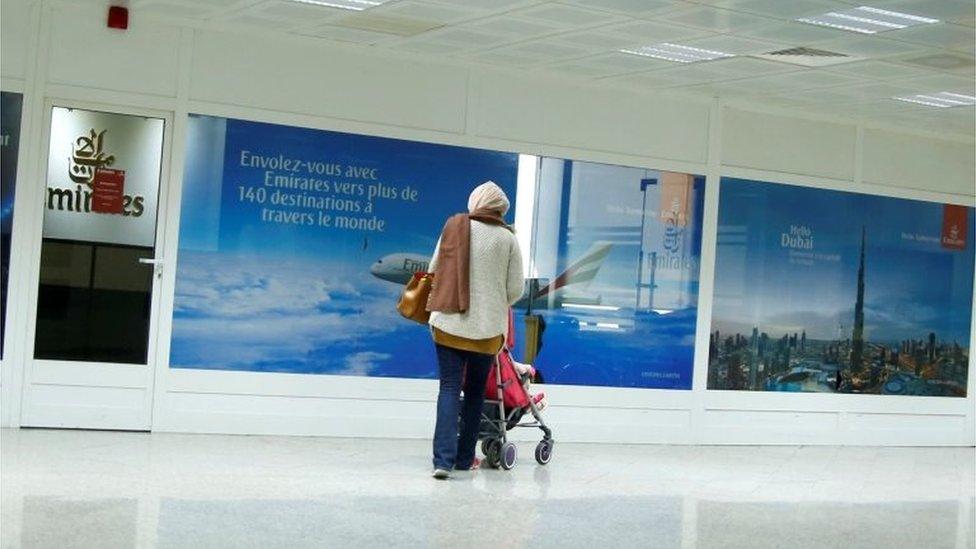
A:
107, 490
438, 521
744, 525
58, 523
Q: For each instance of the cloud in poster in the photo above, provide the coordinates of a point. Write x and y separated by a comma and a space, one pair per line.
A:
276, 316
364, 363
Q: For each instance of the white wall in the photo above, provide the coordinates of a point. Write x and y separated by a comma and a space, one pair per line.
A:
54, 50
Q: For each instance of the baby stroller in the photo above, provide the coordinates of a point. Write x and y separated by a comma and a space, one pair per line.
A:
507, 400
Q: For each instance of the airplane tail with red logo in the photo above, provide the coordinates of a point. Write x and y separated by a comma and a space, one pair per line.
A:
582, 272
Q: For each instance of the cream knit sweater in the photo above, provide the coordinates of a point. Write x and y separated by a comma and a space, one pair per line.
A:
496, 284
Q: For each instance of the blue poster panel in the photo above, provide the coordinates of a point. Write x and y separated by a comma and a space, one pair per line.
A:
839, 292
616, 258
10, 110
295, 244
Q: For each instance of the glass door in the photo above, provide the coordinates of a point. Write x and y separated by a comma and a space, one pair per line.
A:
98, 272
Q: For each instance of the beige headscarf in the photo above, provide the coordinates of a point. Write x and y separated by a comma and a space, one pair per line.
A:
452, 284
488, 196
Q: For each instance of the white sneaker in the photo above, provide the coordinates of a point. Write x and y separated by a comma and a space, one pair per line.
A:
442, 474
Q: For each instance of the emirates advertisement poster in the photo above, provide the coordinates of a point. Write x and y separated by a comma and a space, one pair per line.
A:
296, 243
838, 292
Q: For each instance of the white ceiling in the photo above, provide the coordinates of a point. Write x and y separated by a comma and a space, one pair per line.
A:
581, 38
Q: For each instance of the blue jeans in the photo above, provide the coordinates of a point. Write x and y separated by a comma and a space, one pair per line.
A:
451, 448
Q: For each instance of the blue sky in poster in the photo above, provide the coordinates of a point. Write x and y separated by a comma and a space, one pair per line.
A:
262, 293
10, 109
10, 116
787, 259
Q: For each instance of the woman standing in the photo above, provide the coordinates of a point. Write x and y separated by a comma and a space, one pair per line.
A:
477, 270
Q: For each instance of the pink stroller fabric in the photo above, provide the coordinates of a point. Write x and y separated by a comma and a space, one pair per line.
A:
513, 394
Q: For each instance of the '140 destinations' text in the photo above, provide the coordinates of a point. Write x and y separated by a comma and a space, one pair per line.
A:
316, 193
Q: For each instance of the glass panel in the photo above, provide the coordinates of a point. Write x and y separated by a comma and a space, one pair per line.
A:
95, 295
93, 303
613, 296
10, 107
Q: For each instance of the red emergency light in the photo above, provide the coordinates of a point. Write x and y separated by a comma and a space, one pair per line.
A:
118, 17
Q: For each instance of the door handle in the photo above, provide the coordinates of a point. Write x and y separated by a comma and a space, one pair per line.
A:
157, 265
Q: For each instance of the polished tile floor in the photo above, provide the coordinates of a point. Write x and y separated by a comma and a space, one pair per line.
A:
63, 489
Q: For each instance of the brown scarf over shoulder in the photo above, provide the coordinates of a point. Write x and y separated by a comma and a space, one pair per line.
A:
451, 292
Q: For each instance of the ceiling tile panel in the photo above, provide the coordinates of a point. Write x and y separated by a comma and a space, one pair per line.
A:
745, 67
808, 97
735, 45
632, 8
543, 52
483, 5
718, 20
941, 82
873, 91
299, 13
262, 23
631, 63
466, 38
881, 70
780, 9
583, 69
179, 11
511, 26
945, 10
505, 59
428, 12
945, 35
603, 41
344, 34
795, 34
645, 32
427, 48
568, 16
870, 46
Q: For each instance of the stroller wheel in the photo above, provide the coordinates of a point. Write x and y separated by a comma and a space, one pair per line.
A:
492, 453
485, 445
509, 455
543, 452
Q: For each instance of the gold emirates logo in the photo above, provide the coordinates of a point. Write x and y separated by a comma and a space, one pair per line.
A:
87, 156
88, 160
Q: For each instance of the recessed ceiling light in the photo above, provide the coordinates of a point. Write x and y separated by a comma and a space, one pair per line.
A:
355, 5
941, 99
677, 53
867, 20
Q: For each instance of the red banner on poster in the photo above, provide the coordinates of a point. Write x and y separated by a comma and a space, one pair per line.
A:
954, 229
108, 189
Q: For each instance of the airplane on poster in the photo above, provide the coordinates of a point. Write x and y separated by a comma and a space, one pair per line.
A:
398, 268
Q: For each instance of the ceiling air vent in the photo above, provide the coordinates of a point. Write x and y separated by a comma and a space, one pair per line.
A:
808, 57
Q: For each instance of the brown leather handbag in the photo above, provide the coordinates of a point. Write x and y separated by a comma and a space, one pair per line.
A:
413, 302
